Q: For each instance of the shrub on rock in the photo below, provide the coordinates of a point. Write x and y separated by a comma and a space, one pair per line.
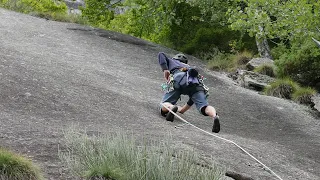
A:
221, 62
243, 58
266, 69
300, 63
282, 88
256, 62
304, 96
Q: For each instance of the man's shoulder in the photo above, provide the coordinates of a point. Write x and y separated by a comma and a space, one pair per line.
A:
162, 53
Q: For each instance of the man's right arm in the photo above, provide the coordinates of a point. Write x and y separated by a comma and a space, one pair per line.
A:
166, 75
163, 61
164, 64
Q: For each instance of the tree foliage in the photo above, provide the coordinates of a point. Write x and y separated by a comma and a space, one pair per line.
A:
285, 20
142, 18
39, 6
300, 62
175, 23
289, 23
98, 12
213, 11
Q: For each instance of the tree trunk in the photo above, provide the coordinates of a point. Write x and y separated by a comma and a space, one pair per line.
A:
263, 46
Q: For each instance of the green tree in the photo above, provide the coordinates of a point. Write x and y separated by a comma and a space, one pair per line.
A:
300, 62
269, 19
98, 12
178, 24
39, 6
213, 11
142, 18
217, 34
162, 21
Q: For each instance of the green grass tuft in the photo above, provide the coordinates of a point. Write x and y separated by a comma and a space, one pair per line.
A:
243, 58
304, 95
282, 88
16, 167
266, 69
221, 62
119, 157
229, 62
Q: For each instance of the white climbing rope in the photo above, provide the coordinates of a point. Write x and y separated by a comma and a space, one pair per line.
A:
224, 139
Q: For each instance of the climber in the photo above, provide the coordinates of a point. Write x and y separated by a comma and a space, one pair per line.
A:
181, 79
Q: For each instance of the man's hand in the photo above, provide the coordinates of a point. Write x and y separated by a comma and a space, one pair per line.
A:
166, 74
184, 108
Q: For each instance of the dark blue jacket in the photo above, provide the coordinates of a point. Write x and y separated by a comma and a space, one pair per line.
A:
172, 64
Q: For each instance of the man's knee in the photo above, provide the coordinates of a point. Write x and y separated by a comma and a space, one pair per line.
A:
203, 111
164, 114
163, 110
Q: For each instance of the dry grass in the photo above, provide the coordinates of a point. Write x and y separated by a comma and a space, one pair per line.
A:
117, 156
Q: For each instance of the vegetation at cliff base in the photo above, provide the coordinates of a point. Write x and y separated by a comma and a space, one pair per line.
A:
122, 157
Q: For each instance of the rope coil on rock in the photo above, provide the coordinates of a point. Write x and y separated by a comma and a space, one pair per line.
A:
224, 139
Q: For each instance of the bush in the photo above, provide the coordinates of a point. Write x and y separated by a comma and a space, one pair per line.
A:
304, 96
300, 63
183, 26
242, 41
265, 69
222, 62
16, 167
206, 39
207, 55
118, 156
227, 61
97, 14
40, 6
243, 57
282, 88
54, 10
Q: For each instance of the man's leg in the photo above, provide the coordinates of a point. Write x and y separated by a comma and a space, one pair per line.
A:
169, 100
170, 115
168, 105
199, 98
210, 111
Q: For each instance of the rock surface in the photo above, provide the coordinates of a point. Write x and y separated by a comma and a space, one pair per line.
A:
255, 62
316, 100
56, 75
251, 80
74, 6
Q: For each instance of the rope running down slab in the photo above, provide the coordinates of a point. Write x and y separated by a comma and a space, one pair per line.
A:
224, 139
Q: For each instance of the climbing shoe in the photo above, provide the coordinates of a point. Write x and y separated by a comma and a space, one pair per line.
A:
170, 116
216, 124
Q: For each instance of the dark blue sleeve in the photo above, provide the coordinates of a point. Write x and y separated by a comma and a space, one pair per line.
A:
190, 102
163, 61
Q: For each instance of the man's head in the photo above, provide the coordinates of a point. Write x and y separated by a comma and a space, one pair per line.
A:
181, 57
